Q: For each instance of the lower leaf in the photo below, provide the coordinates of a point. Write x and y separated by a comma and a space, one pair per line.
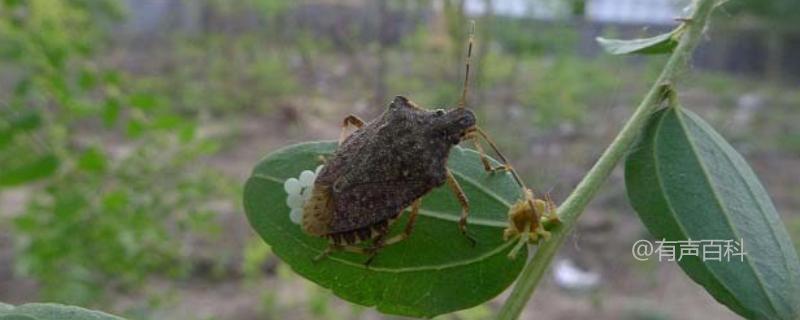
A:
434, 271
687, 183
51, 311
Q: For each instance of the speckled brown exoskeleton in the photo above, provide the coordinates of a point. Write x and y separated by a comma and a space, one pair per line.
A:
387, 165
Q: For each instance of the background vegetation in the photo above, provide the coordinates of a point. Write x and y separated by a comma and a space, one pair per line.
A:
127, 128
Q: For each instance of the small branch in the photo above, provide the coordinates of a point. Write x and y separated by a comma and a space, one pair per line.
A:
577, 201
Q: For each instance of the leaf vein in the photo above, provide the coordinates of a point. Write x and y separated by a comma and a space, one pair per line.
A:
721, 205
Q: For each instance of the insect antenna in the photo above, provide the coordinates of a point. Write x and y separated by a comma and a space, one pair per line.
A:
463, 101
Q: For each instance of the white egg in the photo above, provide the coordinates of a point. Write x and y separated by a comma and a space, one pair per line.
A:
292, 186
307, 178
294, 201
296, 216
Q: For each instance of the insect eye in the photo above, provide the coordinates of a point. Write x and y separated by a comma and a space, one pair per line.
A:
465, 121
439, 112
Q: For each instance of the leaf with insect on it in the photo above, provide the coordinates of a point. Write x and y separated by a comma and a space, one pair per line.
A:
51, 311
434, 271
662, 43
686, 182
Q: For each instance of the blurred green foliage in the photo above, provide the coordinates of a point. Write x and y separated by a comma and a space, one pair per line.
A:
528, 37
118, 180
784, 11
233, 67
565, 88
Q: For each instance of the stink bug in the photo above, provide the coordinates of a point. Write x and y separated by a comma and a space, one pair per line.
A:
387, 165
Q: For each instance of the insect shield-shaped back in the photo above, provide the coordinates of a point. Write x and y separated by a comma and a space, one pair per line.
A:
381, 169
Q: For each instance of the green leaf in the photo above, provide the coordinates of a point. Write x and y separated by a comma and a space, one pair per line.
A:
135, 128
111, 110
167, 122
662, 43
41, 167
434, 271
17, 317
187, 132
87, 79
112, 77
144, 101
686, 182
12, 3
26, 121
6, 136
51, 311
93, 159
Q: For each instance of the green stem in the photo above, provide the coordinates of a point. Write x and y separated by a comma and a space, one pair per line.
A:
574, 205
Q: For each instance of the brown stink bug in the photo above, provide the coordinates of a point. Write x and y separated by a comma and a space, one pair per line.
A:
387, 165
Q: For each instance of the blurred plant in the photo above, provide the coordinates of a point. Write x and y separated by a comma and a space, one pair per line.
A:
119, 185
514, 37
561, 93
501, 69
783, 11
223, 74
255, 253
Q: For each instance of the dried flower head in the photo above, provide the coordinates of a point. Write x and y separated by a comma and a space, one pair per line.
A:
526, 219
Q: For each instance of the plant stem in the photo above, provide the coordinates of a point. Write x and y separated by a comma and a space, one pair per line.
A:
576, 202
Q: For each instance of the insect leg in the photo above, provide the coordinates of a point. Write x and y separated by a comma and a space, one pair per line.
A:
332, 247
325, 253
484, 159
349, 120
464, 202
478, 132
412, 218
379, 242
551, 211
550, 208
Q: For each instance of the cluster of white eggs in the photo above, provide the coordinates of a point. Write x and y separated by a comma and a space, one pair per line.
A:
298, 191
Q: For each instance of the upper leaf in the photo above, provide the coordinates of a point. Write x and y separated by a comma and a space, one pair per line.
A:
662, 43
434, 271
686, 182
51, 311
